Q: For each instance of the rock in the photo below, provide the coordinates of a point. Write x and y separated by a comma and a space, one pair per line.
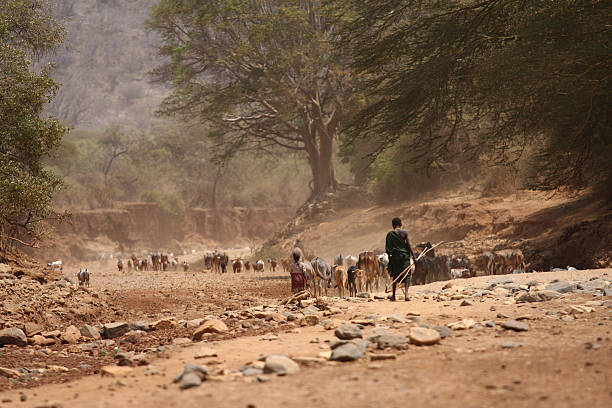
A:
270, 337
39, 340
142, 326
528, 297
549, 294
348, 331
57, 369
9, 373
190, 380
377, 357
212, 326
561, 287
464, 324
71, 335
396, 318
447, 285
511, 344
444, 331
206, 353
310, 310
395, 341
424, 337
607, 292
13, 335
115, 329
90, 332
363, 295
32, 329
594, 284
164, 324
251, 371
116, 371
192, 324
349, 351
309, 361
332, 324
190, 368
574, 309
281, 365
309, 320
307, 302
413, 313
514, 325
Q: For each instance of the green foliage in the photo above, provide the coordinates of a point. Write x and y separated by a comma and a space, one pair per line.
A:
259, 74
27, 31
171, 205
482, 80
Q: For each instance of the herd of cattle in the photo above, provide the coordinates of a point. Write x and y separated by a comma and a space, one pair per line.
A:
157, 262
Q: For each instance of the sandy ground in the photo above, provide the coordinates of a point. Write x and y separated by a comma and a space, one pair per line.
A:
555, 365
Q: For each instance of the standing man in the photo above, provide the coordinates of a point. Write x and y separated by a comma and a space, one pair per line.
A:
398, 248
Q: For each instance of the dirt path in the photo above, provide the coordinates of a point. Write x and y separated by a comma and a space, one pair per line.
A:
556, 364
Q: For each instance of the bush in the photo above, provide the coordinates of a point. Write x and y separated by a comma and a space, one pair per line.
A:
170, 204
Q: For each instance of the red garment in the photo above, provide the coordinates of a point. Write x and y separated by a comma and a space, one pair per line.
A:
297, 282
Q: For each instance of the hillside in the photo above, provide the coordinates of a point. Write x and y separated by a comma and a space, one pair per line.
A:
103, 66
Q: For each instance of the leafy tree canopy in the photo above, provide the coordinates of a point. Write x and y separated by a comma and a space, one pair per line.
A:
486, 79
27, 31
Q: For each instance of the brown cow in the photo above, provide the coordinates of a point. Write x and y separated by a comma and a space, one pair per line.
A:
340, 278
368, 262
247, 266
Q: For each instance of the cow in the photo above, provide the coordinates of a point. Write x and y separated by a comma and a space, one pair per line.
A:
431, 268
350, 281
120, 265
83, 277
286, 264
247, 266
130, 265
507, 261
340, 278
258, 266
368, 262
483, 263
383, 273
237, 265
164, 262
359, 279
134, 261
208, 261
185, 266
323, 275
273, 264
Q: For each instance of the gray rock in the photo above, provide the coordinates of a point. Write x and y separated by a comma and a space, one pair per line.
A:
514, 325
116, 329
392, 341
251, 371
348, 331
281, 365
607, 292
594, 284
192, 369
349, 351
561, 287
489, 323
190, 380
13, 335
533, 283
511, 344
364, 295
444, 331
527, 297
144, 326
310, 310
549, 294
466, 302
90, 332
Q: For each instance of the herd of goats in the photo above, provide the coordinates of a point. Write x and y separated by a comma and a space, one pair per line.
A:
367, 271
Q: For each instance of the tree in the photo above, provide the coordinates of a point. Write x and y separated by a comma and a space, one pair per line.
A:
27, 32
485, 79
261, 74
116, 144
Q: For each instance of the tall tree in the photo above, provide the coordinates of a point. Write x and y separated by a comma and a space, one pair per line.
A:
486, 79
261, 72
27, 32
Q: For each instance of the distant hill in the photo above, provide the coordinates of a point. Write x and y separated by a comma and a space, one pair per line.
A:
103, 66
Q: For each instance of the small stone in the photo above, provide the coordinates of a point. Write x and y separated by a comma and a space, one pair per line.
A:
281, 365
13, 335
309, 320
377, 357
413, 313
194, 323
211, 326
464, 324
309, 361
32, 329
9, 373
528, 297
489, 323
116, 371
549, 294
511, 344
270, 337
116, 329
164, 324
332, 324
363, 295
189, 380
424, 337
395, 341
189, 369
466, 302
57, 368
444, 331
90, 332
206, 353
514, 325
39, 340
71, 335
396, 318
349, 351
139, 325
181, 340
348, 331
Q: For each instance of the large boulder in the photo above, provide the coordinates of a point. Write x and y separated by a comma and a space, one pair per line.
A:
13, 335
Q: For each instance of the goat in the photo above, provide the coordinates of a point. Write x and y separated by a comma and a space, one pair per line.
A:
83, 277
